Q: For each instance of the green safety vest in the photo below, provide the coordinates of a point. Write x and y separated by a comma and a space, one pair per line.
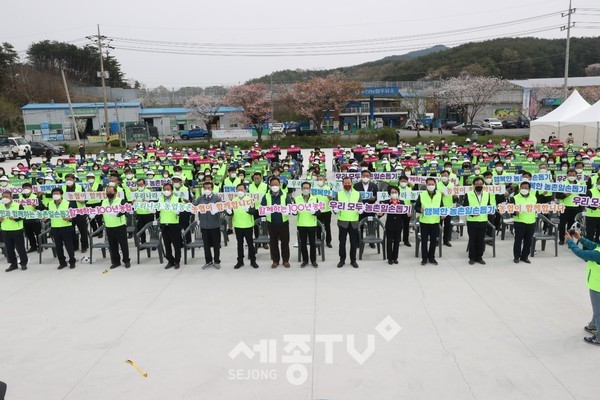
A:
525, 217
228, 182
241, 218
284, 217
262, 188
143, 212
325, 199
568, 201
78, 189
94, 187
408, 192
168, 217
594, 212
59, 222
306, 218
426, 202
593, 274
343, 197
474, 202
31, 196
7, 223
112, 221
447, 200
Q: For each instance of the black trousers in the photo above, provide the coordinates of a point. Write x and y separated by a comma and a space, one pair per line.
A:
392, 243
567, 219
279, 233
212, 239
404, 228
523, 237
325, 219
81, 222
32, 227
242, 234
15, 243
446, 223
117, 237
184, 223
476, 231
592, 228
429, 240
142, 220
171, 235
64, 238
353, 234
308, 234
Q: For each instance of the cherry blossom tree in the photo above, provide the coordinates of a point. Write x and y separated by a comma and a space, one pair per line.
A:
590, 93
255, 102
539, 94
467, 94
317, 96
204, 108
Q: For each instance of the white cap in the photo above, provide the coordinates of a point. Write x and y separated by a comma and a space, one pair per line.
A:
4, 178
48, 178
169, 155
384, 161
90, 174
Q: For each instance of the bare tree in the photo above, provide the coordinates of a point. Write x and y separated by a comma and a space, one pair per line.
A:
467, 95
204, 109
539, 94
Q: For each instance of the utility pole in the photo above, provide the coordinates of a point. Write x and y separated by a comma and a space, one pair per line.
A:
62, 71
102, 76
272, 108
567, 50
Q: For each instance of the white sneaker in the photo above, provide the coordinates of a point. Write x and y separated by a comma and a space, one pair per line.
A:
209, 264
217, 266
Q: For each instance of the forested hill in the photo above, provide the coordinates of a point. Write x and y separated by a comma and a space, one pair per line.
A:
510, 58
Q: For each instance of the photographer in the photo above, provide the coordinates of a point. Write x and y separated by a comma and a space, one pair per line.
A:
591, 254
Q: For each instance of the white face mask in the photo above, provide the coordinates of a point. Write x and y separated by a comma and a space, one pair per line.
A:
488, 180
70, 183
275, 189
579, 170
129, 176
56, 197
564, 168
320, 183
431, 188
141, 188
91, 180
232, 176
402, 184
407, 173
6, 200
449, 169
394, 196
26, 191
207, 192
543, 171
241, 194
365, 180
112, 184
165, 175
444, 179
177, 185
167, 193
524, 192
572, 178
499, 169
305, 192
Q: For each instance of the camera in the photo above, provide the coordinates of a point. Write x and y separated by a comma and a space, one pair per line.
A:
576, 227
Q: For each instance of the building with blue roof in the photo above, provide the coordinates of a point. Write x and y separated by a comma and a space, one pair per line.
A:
171, 121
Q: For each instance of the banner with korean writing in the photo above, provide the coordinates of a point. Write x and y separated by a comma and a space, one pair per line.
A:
457, 211
463, 190
540, 208
291, 208
370, 208
517, 178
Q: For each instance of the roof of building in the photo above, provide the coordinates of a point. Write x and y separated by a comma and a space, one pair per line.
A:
558, 82
65, 106
182, 110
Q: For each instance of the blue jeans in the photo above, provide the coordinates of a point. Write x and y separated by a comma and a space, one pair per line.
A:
595, 322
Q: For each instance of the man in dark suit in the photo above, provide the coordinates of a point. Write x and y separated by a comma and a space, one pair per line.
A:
368, 193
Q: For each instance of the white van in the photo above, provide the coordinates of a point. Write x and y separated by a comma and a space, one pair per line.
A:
18, 146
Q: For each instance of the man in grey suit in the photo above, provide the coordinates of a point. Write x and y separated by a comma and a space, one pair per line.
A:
210, 225
368, 191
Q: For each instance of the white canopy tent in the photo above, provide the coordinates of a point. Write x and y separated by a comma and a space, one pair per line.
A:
553, 121
585, 126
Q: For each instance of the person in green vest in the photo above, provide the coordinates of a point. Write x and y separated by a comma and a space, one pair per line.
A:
63, 231
430, 224
405, 195
32, 227
306, 223
157, 143
243, 222
143, 217
80, 221
524, 224
348, 223
231, 180
324, 216
169, 225
591, 254
447, 201
12, 233
477, 224
567, 218
95, 185
115, 224
278, 224
258, 186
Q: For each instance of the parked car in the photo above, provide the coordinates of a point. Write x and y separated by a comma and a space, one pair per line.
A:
18, 146
493, 123
522, 122
38, 148
463, 129
509, 124
5, 148
197, 133
277, 127
412, 125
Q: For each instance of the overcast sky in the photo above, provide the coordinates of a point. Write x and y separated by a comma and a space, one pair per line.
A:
274, 22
